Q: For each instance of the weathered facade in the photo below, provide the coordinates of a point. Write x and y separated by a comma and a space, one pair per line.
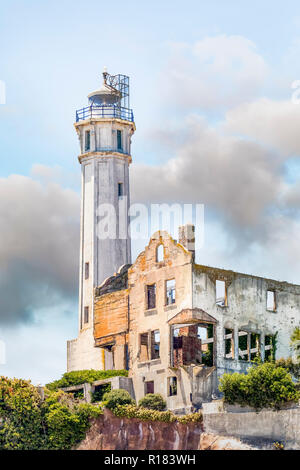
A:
178, 326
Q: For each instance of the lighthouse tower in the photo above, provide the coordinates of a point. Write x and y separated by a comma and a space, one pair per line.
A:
104, 129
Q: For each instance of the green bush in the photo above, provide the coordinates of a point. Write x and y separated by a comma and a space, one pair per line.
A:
29, 423
265, 386
292, 367
117, 397
144, 414
79, 377
153, 401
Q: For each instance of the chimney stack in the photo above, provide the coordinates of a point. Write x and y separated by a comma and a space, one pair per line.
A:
186, 237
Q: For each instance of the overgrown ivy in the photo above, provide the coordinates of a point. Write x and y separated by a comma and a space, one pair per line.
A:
79, 377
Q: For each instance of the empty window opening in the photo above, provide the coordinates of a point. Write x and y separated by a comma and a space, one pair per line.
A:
243, 346
206, 334
144, 347
126, 357
78, 394
160, 253
120, 189
191, 345
149, 342
254, 346
155, 344
86, 314
229, 343
151, 296
249, 346
149, 387
221, 293
99, 391
86, 270
119, 140
269, 348
87, 140
170, 292
172, 386
271, 300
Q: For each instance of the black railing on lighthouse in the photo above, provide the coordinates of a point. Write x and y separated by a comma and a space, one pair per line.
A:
107, 111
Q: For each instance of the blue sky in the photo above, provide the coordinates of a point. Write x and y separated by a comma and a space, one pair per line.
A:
211, 93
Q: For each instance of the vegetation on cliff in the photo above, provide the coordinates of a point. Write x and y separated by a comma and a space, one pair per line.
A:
122, 405
27, 422
145, 414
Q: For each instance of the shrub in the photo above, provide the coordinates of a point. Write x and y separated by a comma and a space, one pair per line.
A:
144, 414
153, 401
117, 397
28, 423
79, 377
292, 367
265, 386
191, 418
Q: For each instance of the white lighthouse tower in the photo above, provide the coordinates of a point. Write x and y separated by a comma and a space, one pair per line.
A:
104, 129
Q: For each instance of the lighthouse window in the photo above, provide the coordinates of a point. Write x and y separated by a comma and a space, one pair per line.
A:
87, 140
119, 140
87, 270
86, 314
120, 190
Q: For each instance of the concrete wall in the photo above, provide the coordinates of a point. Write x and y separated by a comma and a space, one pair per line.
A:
272, 426
82, 354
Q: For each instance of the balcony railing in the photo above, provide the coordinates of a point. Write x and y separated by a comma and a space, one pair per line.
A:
93, 111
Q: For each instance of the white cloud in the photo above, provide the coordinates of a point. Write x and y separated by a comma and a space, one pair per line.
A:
213, 72
274, 123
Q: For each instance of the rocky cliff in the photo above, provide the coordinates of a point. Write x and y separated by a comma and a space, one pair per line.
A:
109, 432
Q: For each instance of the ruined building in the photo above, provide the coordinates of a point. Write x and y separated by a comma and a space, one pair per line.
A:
177, 326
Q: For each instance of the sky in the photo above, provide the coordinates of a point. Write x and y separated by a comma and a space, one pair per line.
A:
217, 122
